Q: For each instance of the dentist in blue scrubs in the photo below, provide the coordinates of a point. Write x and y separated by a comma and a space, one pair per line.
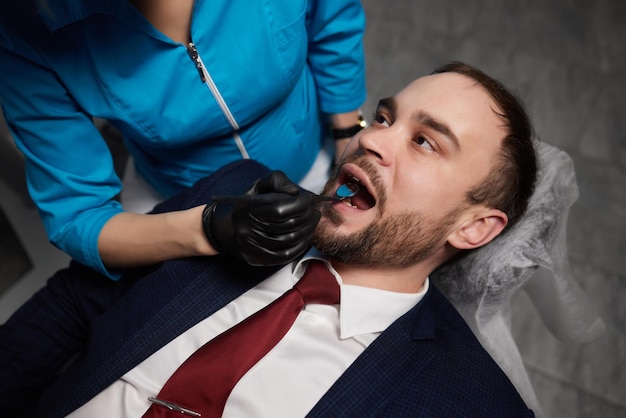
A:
191, 86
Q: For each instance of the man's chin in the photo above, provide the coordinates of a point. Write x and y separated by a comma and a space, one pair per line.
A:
329, 241
324, 229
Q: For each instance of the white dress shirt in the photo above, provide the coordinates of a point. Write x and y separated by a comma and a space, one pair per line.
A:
292, 377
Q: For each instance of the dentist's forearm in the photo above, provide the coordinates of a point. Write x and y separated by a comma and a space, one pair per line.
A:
131, 240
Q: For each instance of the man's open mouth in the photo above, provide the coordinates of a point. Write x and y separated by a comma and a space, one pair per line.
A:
363, 199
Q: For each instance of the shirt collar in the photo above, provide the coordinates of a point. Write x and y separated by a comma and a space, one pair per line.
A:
365, 310
59, 13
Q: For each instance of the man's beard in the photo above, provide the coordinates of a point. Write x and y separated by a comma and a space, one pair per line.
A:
396, 241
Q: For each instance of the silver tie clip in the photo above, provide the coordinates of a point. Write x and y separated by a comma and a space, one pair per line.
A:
174, 407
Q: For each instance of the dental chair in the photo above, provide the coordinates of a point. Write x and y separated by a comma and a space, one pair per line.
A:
532, 257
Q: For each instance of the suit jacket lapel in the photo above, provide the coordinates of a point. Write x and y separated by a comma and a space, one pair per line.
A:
396, 355
164, 305
158, 308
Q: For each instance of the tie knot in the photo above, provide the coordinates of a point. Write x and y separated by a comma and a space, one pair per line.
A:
318, 285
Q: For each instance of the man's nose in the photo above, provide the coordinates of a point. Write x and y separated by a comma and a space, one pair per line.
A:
378, 144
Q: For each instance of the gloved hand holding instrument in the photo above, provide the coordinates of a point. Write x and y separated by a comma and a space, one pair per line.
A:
271, 224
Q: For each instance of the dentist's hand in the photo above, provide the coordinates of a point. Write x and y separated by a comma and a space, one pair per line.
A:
271, 225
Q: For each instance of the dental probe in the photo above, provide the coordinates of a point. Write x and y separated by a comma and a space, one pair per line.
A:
343, 192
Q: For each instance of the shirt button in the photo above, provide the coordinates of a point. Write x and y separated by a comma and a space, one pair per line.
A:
310, 318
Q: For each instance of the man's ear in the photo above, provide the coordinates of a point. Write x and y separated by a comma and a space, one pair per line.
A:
479, 230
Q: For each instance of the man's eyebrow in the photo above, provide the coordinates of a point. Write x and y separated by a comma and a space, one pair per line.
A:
424, 118
388, 103
437, 125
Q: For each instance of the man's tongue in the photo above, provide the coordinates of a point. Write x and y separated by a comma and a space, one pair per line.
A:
363, 200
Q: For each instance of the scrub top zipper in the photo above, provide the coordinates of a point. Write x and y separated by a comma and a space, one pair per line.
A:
206, 79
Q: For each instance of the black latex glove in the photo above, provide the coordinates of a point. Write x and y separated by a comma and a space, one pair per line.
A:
272, 231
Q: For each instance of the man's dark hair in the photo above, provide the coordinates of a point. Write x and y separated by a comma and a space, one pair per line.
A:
511, 182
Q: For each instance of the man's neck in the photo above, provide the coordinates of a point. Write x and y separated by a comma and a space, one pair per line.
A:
404, 280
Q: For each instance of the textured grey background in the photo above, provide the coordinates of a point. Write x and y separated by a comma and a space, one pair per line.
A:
565, 58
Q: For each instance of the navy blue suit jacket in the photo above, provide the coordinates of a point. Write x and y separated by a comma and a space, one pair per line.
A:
426, 364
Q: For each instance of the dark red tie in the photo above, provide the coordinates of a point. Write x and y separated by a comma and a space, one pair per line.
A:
202, 384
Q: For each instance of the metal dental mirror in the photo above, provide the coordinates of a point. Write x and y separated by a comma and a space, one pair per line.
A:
347, 190
344, 191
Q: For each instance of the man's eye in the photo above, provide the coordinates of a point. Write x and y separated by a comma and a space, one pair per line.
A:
423, 142
380, 119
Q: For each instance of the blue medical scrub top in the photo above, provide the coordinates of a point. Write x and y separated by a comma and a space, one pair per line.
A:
255, 84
